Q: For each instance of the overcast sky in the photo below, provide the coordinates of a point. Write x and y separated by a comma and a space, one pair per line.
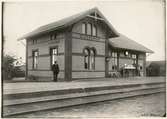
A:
142, 21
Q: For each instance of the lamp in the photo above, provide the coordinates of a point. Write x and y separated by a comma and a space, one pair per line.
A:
126, 53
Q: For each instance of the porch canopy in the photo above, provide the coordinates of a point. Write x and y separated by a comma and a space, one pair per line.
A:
125, 43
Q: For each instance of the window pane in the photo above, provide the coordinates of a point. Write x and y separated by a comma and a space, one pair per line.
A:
55, 36
89, 29
92, 56
134, 56
86, 52
115, 61
86, 62
54, 53
84, 28
94, 30
89, 59
86, 58
91, 52
35, 59
51, 37
114, 54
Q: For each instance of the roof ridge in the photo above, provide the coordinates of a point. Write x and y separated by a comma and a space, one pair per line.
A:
66, 22
82, 12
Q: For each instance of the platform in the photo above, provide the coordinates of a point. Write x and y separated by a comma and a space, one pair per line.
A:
26, 87
29, 97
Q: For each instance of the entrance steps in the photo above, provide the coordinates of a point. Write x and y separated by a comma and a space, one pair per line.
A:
29, 102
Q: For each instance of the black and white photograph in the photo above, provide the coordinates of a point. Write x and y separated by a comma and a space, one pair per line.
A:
83, 59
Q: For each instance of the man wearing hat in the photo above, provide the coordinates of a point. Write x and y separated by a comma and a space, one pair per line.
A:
55, 69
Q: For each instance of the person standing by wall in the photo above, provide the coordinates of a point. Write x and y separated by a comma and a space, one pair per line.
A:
55, 69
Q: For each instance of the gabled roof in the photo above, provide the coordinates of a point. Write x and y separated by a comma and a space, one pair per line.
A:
118, 42
124, 42
66, 22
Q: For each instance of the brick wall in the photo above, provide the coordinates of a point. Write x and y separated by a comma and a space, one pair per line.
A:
79, 43
43, 45
100, 27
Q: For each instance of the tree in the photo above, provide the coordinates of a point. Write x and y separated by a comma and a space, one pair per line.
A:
8, 67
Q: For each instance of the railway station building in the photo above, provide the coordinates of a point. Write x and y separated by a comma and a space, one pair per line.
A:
85, 46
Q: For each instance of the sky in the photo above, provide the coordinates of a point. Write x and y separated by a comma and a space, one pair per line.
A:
141, 20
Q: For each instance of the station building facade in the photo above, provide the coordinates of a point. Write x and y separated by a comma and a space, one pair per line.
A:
85, 45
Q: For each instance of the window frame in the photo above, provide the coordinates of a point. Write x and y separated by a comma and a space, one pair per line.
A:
90, 29
92, 56
34, 41
90, 64
53, 36
85, 29
94, 26
86, 57
114, 55
51, 55
33, 59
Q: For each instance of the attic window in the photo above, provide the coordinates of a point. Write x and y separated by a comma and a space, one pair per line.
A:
89, 29
84, 28
34, 41
94, 30
53, 36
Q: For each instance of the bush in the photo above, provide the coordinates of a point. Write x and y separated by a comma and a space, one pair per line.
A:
8, 67
18, 72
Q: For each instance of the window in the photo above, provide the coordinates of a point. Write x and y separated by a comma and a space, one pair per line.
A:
35, 59
134, 58
114, 54
92, 59
86, 58
89, 58
53, 54
115, 60
83, 28
94, 31
34, 41
53, 37
89, 29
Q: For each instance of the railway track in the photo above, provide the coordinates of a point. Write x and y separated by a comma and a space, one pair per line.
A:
23, 103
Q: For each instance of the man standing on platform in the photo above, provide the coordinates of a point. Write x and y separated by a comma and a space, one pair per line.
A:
55, 69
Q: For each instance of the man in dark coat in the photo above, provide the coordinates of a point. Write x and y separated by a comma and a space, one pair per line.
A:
55, 69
